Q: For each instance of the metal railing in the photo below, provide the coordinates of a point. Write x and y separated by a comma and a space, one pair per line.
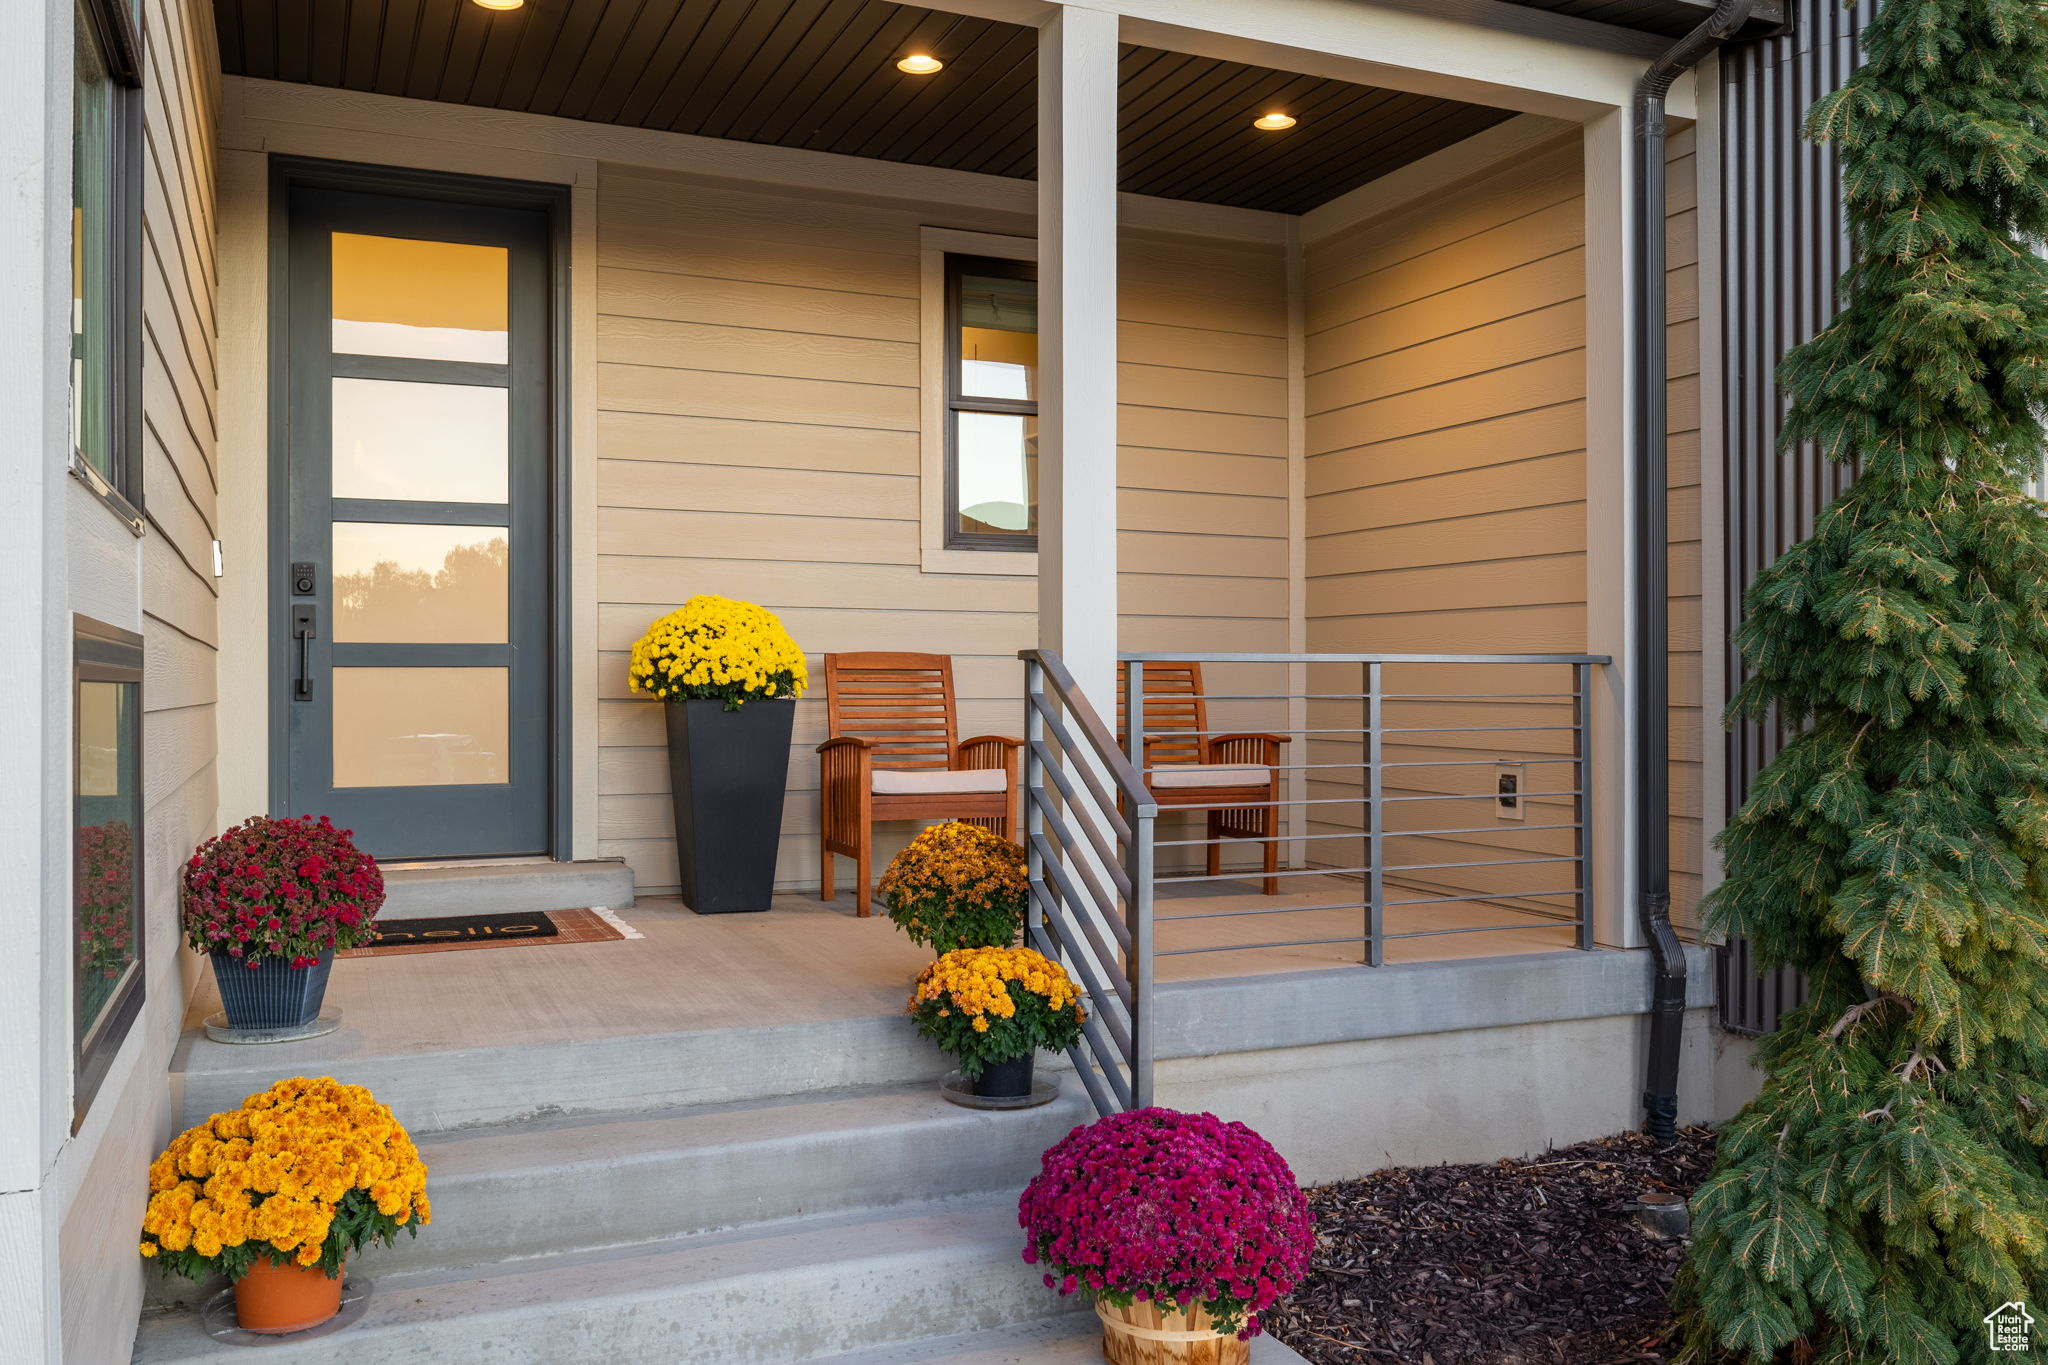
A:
1369, 789
1088, 851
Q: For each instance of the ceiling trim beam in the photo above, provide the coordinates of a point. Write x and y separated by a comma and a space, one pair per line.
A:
1486, 52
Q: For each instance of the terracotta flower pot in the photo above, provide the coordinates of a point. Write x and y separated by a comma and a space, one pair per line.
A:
1144, 1335
285, 1298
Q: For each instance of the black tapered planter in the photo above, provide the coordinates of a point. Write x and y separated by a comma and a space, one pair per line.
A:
1006, 1080
272, 995
727, 771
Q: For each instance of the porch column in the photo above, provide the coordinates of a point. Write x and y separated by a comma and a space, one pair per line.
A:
1077, 146
1611, 570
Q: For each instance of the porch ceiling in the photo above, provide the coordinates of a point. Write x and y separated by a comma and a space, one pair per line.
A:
820, 74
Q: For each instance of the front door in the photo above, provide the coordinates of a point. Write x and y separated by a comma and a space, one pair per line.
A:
415, 557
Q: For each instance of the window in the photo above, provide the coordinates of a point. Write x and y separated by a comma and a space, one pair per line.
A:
991, 404
106, 225
106, 875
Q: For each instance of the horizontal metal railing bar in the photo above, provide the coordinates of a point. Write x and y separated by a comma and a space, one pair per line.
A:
1102, 846
1177, 879
1354, 834
1462, 796
1173, 879
1486, 896
1259, 910
1356, 904
1183, 657
1474, 729
1498, 862
1486, 929
1359, 767
1465, 762
1361, 800
1178, 735
1357, 696
1100, 737
1247, 947
1476, 696
1078, 856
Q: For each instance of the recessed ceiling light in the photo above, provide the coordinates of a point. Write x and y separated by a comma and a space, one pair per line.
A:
919, 64
1273, 123
498, 4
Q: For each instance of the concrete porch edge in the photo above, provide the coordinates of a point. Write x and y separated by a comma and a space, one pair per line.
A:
1299, 1009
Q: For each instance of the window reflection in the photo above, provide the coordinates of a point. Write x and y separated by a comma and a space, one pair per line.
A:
420, 727
401, 296
998, 338
416, 584
420, 442
104, 909
998, 472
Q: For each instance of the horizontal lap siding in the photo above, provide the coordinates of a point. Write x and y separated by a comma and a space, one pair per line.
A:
1682, 370
101, 1288
179, 373
758, 438
1446, 479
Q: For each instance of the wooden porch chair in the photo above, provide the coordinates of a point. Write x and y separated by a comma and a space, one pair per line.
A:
1234, 777
894, 754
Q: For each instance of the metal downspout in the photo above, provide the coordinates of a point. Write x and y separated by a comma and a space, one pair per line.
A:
1652, 661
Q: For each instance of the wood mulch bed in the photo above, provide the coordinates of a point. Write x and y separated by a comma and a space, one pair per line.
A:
1518, 1263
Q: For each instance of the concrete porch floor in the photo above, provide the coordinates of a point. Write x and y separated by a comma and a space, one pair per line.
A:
807, 962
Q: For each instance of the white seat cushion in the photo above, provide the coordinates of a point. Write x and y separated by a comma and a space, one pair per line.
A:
1210, 775
938, 781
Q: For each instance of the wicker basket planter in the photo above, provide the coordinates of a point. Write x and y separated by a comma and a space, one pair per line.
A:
1144, 1335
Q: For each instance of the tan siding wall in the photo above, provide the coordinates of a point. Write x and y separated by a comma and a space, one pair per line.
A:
758, 438
1446, 431
1446, 511
101, 1282
1688, 729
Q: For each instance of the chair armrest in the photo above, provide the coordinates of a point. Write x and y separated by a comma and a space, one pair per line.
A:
986, 751
846, 742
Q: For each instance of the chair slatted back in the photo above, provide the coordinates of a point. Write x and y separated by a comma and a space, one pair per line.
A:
1176, 710
902, 703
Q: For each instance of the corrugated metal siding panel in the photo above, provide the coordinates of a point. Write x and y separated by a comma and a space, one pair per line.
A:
1786, 248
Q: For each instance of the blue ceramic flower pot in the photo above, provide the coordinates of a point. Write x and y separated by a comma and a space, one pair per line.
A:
276, 995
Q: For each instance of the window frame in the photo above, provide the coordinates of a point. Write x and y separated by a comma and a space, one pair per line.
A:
954, 402
105, 653
115, 28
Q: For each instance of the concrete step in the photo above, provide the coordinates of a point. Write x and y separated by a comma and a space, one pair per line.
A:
448, 1089
1070, 1339
568, 1184
772, 1296
435, 890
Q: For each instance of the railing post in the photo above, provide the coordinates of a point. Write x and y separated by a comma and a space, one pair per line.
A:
1134, 714
1140, 924
1375, 832
1582, 804
1034, 782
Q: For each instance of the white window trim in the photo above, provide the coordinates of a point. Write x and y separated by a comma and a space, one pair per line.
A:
934, 245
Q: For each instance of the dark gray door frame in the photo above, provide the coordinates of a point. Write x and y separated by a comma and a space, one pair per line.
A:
290, 173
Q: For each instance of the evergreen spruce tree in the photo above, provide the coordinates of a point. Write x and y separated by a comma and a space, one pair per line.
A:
1889, 1186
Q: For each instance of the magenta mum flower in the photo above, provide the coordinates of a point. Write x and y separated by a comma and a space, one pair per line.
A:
1184, 1209
285, 888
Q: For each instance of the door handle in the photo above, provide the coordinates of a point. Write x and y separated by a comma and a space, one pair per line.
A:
305, 625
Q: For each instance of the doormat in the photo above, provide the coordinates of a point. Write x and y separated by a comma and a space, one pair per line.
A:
450, 933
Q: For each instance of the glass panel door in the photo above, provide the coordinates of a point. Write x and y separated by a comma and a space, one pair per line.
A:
415, 635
